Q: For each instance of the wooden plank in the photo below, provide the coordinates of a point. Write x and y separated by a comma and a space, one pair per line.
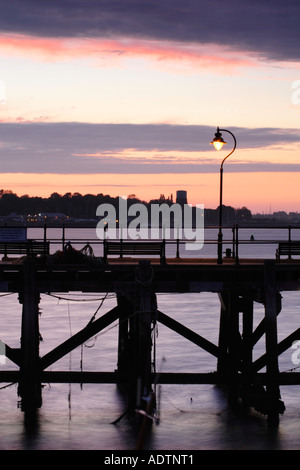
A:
12, 376
113, 377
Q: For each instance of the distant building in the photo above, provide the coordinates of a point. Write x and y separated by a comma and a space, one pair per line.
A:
47, 217
181, 197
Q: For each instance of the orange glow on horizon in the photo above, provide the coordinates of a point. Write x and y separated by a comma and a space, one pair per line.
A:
256, 191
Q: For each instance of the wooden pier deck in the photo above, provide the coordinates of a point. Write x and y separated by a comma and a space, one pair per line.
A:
136, 281
239, 282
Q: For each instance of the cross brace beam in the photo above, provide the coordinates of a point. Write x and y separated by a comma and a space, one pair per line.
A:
79, 338
187, 333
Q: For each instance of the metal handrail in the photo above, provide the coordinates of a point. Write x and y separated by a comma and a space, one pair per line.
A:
235, 240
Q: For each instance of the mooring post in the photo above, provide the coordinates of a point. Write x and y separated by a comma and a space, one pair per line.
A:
274, 405
30, 384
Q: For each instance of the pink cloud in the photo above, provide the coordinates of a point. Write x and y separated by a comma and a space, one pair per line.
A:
106, 52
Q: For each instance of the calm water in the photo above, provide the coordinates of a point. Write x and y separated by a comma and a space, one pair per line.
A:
192, 417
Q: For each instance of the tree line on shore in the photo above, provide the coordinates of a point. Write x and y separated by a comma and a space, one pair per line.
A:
76, 205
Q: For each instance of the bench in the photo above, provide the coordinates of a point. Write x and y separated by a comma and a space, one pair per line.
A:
128, 248
30, 248
288, 249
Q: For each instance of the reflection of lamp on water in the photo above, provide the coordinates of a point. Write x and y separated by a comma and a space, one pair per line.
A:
218, 143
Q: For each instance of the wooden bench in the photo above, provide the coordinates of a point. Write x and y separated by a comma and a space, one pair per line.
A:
288, 249
128, 248
29, 248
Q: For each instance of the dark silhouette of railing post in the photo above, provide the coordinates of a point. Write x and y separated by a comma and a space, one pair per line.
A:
63, 236
237, 244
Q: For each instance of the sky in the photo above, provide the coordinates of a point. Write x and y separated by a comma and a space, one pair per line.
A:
124, 97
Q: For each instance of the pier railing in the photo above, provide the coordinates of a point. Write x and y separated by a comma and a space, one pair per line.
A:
249, 241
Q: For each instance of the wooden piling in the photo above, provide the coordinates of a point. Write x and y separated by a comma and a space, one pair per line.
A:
30, 383
247, 351
222, 362
274, 405
234, 365
229, 345
126, 309
142, 333
234, 349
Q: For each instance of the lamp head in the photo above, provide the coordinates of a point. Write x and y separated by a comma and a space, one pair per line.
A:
218, 141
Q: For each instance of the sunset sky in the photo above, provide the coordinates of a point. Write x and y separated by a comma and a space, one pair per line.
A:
124, 96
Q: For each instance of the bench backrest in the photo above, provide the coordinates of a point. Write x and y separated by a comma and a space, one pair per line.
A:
288, 248
134, 247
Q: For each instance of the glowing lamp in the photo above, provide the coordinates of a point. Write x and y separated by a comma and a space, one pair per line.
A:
218, 141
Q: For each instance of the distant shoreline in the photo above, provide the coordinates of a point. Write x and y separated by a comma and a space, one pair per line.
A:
256, 223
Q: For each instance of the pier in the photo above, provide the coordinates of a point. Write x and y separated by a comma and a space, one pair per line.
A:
136, 281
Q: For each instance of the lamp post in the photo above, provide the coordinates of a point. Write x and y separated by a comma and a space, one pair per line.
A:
218, 143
